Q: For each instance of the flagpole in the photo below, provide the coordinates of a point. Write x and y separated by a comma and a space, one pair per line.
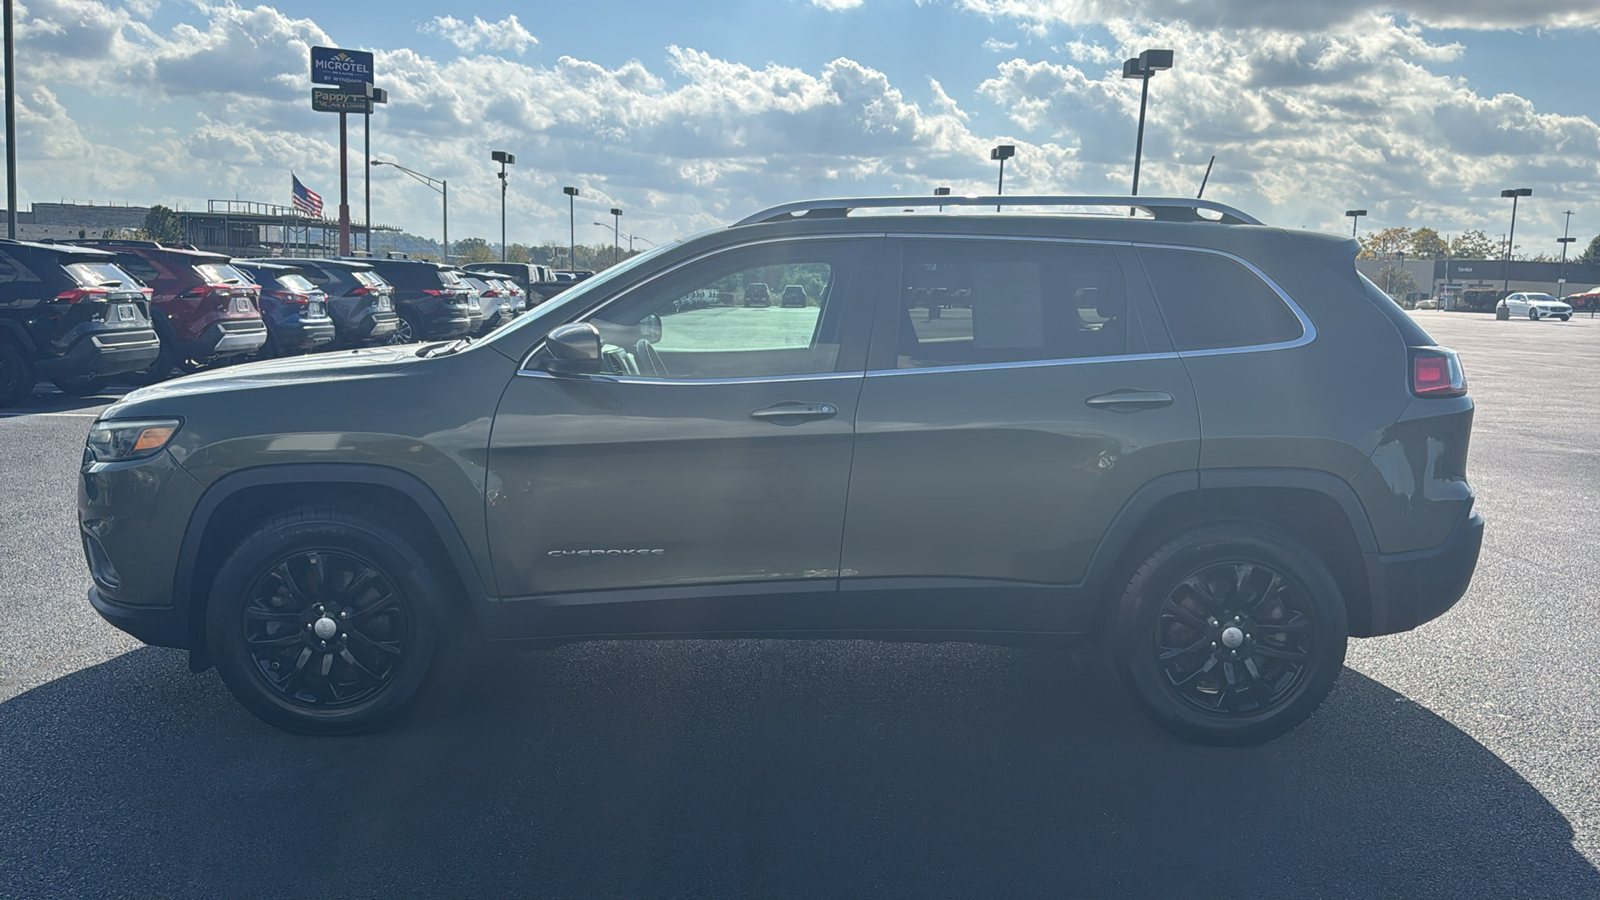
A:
344, 190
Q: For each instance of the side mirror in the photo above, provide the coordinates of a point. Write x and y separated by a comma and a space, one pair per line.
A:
574, 350
650, 328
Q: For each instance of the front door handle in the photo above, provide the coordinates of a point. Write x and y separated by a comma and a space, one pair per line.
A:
1130, 400
793, 413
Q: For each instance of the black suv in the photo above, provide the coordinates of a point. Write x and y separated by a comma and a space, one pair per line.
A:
431, 299
1207, 444
70, 315
295, 310
360, 301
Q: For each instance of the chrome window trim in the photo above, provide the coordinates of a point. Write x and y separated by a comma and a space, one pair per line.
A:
1308, 331
754, 379
522, 368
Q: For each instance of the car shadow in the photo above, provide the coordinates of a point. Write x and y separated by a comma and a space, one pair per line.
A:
47, 398
755, 769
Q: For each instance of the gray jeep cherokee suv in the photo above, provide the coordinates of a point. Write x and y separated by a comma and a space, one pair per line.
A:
1207, 444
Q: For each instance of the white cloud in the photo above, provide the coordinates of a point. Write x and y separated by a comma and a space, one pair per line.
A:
995, 45
506, 34
837, 4
1297, 14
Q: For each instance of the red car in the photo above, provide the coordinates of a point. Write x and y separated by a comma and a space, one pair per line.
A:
1587, 300
205, 310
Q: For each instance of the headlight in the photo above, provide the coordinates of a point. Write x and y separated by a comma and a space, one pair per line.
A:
118, 440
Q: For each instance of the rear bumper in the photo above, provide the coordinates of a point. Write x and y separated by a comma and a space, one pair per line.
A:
104, 353
1413, 588
227, 337
298, 335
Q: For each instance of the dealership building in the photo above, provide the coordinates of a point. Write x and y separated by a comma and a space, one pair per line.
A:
1450, 278
240, 228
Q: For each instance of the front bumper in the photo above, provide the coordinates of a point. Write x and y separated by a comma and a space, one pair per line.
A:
1417, 587
159, 626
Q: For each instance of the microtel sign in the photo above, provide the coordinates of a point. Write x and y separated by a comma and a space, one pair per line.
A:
330, 65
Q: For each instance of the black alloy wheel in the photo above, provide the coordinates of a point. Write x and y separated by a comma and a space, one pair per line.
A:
406, 331
325, 629
1235, 637
17, 375
1230, 634
323, 621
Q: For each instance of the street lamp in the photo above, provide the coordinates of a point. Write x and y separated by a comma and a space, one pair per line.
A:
504, 159
1511, 240
438, 184
1564, 240
11, 127
1001, 153
616, 235
572, 229
1142, 67
941, 192
620, 233
1355, 216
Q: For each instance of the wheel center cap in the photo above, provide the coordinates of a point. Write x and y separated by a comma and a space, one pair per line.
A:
325, 628
1232, 637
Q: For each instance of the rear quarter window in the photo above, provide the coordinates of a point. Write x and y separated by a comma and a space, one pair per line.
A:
1211, 302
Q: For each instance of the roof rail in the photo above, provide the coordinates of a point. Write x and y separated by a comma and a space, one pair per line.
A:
1167, 209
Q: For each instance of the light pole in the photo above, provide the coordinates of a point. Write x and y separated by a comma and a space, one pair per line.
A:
1355, 216
572, 229
941, 192
616, 235
1142, 67
620, 233
11, 129
1511, 240
1002, 153
379, 95
504, 159
438, 184
1564, 240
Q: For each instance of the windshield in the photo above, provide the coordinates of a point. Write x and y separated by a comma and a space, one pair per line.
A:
297, 283
578, 294
98, 274
1542, 298
219, 273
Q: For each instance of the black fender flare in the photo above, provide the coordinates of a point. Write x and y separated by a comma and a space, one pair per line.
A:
412, 487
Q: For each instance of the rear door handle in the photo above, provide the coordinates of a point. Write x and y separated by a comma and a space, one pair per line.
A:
1130, 400
793, 413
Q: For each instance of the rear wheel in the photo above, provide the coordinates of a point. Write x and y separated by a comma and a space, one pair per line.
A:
407, 331
1231, 634
325, 622
82, 387
17, 374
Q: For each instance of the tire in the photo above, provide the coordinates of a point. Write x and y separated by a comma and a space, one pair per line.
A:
1225, 681
160, 368
1564, 318
1533, 313
82, 387
305, 647
17, 373
407, 330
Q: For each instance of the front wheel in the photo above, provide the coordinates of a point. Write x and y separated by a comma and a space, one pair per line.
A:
323, 622
1564, 318
1230, 634
1533, 313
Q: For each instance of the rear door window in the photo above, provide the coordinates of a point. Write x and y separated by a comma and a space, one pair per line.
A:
1212, 302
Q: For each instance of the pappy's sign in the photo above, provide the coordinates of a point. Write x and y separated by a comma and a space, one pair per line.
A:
330, 65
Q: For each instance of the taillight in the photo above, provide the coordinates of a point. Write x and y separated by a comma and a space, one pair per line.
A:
364, 291
490, 293
1437, 372
78, 294
291, 297
434, 292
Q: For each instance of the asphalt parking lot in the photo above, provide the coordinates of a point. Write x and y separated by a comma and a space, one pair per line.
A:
1460, 760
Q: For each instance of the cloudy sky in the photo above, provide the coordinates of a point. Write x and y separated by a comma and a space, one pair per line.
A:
688, 115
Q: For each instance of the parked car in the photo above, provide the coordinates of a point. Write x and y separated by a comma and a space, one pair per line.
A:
431, 299
360, 301
528, 278
1200, 443
70, 315
1586, 300
205, 311
793, 296
497, 300
757, 294
1536, 306
475, 302
295, 310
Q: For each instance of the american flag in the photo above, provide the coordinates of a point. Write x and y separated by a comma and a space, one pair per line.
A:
306, 200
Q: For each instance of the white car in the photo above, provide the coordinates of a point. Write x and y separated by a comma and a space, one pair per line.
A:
1536, 306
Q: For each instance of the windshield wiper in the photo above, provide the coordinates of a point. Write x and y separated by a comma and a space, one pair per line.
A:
444, 348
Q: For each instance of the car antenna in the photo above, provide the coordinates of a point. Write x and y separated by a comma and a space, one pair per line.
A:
1207, 177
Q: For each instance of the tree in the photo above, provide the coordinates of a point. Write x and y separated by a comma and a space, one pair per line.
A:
1425, 243
1591, 254
473, 250
1396, 281
1474, 245
163, 225
1385, 243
